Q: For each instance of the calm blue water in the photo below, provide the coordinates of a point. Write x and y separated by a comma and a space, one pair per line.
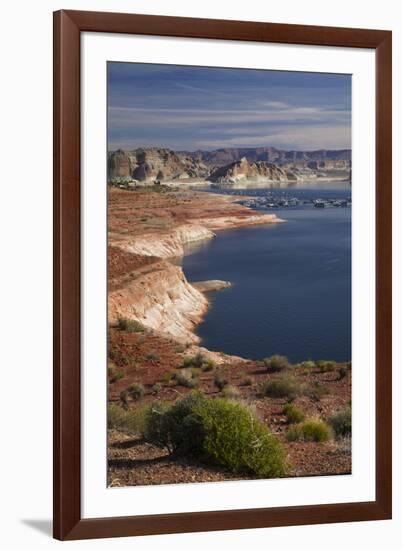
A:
291, 289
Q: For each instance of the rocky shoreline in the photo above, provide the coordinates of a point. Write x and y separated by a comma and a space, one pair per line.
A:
157, 294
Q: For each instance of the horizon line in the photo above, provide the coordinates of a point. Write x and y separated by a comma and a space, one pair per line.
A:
223, 148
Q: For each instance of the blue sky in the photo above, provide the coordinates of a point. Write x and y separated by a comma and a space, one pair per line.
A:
189, 108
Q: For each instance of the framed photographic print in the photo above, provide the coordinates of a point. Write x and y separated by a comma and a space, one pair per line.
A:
222, 309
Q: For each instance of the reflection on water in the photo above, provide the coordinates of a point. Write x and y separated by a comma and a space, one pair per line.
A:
196, 246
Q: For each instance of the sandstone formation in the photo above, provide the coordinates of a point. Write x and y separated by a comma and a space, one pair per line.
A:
230, 166
251, 172
211, 286
168, 244
161, 299
154, 165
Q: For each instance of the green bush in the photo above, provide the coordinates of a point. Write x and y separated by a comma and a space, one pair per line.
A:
208, 365
286, 386
293, 414
343, 371
276, 363
341, 422
152, 356
316, 391
119, 357
180, 348
234, 438
220, 382
129, 325
195, 372
128, 421
155, 428
326, 366
136, 391
173, 426
218, 431
306, 365
156, 388
114, 373
186, 379
198, 361
311, 430
247, 381
168, 376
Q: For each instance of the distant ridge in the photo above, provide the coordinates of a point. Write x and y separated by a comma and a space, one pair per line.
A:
271, 154
228, 165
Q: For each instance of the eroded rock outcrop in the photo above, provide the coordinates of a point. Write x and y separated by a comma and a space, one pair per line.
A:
161, 299
243, 171
166, 245
145, 284
154, 164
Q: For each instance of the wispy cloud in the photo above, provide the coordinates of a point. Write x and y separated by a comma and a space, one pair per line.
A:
192, 107
291, 137
127, 116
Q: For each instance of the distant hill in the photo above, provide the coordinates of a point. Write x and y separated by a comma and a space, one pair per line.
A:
228, 165
243, 171
154, 164
270, 154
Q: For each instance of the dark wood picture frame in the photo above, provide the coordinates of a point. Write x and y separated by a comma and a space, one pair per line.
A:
68, 26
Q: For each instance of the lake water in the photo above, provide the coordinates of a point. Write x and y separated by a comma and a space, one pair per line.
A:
291, 289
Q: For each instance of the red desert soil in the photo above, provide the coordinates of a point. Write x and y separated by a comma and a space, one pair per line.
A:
149, 357
134, 213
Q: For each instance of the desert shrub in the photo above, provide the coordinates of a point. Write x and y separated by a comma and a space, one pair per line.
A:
156, 388
208, 365
306, 365
175, 427
293, 414
180, 348
156, 429
120, 358
195, 372
124, 399
186, 379
326, 366
136, 391
168, 376
286, 386
231, 392
234, 438
310, 430
316, 391
220, 382
198, 361
247, 381
129, 325
194, 361
342, 373
124, 420
152, 356
114, 374
341, 422
276, 363
218, 431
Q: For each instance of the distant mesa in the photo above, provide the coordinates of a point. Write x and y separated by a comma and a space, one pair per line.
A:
259, 171
226, 167
155, 164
